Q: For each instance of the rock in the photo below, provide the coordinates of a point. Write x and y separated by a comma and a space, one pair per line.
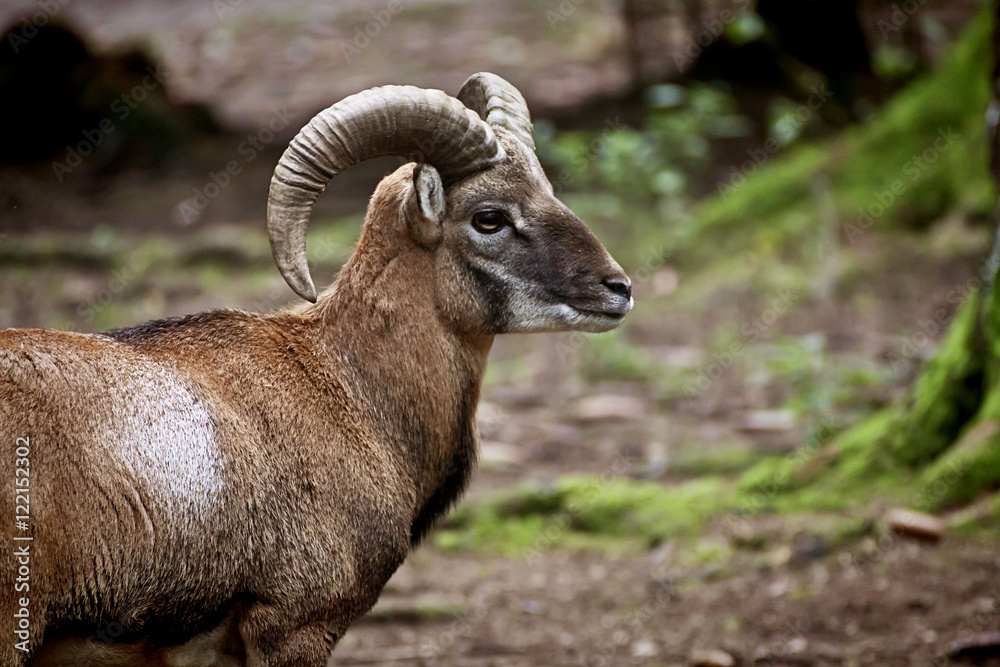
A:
516, 396
780, 556
644, 648
500, 453
829, 652
808, 546
611, 407
665, 281
711, 658
977, 647
779, 587
532, 606
489, 415
797, 645
679, 356
768, 420
556, 433
915, 524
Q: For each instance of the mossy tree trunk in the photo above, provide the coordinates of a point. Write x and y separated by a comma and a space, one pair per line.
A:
943, 440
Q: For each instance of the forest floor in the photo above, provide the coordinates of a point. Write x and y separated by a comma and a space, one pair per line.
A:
572, 608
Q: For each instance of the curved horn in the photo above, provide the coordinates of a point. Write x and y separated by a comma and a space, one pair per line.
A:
423, 125
498, 103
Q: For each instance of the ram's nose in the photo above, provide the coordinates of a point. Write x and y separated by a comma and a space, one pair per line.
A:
621, 286
618, 298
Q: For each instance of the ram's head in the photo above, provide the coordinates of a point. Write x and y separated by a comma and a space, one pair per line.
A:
507, 255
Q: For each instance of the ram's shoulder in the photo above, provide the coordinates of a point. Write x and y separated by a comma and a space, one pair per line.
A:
59, 365
40, 347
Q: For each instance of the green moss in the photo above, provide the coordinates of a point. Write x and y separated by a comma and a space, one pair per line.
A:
860, 455
847, 530
935, 450
532, 501
967, 469
618, 515
704, 553
920, 155
770, 476
718, 460
824, 477
944, 397
876, 453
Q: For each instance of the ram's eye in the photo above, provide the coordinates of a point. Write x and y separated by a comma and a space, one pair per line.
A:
489, 222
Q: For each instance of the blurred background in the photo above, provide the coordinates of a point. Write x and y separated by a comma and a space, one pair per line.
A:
801, 192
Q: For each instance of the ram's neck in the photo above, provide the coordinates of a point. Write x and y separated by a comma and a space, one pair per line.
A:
418, 379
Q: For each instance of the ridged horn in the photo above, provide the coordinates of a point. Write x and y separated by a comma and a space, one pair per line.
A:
423, 125
499, 103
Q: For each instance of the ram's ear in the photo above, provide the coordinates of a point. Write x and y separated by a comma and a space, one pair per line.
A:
425, 205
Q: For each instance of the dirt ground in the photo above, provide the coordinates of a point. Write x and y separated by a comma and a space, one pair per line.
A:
902, 606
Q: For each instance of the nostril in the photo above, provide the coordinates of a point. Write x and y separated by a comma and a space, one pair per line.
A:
619, 287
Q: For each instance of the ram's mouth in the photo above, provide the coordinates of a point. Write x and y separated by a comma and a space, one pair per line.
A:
613, 315
595, 320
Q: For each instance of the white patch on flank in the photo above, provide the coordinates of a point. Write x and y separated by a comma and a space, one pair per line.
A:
165, 435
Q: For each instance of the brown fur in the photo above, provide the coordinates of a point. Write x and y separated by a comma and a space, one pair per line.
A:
342, 430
